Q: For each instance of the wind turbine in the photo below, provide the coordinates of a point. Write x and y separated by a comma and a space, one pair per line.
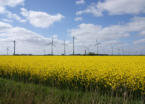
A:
14, 46
74, 44
7, 51
64, 47
86, 49
52, 45
97, 44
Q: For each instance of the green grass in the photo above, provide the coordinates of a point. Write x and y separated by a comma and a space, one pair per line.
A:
12, 92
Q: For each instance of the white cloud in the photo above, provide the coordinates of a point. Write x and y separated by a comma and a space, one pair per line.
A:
28, 41
17, 33
15, 16
115, 7
4, 27
24, 12
143, 32
41, 19
80, 1
11, 3
2, 10
136, 24
78, 19
92, 9
141, 41
87, 34
7, 20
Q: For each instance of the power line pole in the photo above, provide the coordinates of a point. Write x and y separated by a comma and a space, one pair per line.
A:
14, 47
73, 45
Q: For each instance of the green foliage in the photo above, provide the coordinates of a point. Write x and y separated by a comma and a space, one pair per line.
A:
12, 92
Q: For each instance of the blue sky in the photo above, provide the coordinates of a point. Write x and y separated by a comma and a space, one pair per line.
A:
32, 23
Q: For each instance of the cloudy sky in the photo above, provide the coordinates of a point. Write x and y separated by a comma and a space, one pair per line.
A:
118, 25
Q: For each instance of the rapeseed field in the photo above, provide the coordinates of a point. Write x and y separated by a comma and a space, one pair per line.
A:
85, 72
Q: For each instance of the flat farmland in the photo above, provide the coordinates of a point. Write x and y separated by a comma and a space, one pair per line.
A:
78, 72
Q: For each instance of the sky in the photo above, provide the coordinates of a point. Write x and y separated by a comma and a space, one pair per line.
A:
117, 25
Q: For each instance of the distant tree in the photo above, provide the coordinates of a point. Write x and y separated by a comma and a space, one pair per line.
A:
91, 54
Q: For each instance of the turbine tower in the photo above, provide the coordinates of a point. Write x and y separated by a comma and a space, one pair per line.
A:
86, 50
52, 45
7, 51
74, 45
97, 44
14, 47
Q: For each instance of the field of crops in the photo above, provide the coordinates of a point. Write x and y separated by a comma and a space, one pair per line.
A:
85, 72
